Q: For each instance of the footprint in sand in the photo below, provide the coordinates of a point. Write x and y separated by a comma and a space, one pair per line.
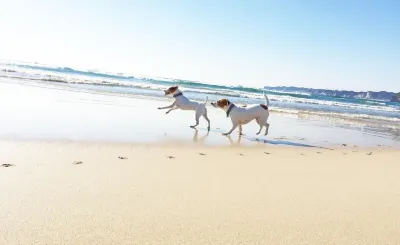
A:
266, 153
369, 154
170, 157
6, 165
77, 162
122, 158
241, 154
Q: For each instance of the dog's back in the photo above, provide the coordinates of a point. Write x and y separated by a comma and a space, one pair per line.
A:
249, 111
185, 104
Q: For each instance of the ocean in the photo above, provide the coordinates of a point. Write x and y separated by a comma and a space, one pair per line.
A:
121, 84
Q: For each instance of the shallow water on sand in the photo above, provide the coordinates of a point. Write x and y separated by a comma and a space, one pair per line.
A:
36, 111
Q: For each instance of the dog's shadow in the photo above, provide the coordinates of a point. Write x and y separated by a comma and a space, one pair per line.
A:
272, 142
198, 139
287, 143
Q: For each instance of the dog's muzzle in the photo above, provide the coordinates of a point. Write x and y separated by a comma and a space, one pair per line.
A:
213, 104
166, 92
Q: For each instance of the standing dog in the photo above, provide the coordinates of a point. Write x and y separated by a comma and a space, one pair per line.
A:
241, 116
183, 103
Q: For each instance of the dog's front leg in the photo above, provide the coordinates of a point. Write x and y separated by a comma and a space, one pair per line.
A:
171, 109
167, 107
240, 129
234, 126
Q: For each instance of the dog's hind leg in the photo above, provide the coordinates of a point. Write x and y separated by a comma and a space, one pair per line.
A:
198, 115
240, 129
266, 128
261, 126
206, 117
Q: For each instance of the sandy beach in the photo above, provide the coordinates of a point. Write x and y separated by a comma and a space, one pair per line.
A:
81, 167
97, 193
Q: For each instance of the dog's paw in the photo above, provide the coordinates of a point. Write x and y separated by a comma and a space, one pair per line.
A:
225, 134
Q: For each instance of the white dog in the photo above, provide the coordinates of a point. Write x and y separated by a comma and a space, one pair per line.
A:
183, 103
241, 116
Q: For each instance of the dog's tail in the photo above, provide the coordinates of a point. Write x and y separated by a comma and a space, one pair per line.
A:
266, 99
205, 102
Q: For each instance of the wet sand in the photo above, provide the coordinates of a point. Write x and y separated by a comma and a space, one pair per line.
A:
47, 112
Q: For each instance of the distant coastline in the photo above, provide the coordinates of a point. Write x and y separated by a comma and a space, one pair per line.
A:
396, 98
382, 95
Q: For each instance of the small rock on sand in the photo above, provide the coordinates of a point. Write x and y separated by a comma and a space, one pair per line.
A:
6, 165
122, 158
77, 162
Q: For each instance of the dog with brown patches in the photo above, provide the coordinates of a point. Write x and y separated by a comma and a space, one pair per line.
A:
183, 103
241, 116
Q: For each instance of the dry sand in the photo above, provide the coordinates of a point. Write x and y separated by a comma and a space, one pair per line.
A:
137, 194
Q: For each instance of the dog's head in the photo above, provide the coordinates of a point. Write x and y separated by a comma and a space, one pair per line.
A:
222, 103
170, 90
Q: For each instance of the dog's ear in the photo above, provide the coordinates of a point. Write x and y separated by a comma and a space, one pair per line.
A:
223, 102
226, 102
174, 88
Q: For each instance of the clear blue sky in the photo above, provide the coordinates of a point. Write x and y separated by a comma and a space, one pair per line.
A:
321, 44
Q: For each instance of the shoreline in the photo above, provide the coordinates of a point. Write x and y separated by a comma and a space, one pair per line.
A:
41, 113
